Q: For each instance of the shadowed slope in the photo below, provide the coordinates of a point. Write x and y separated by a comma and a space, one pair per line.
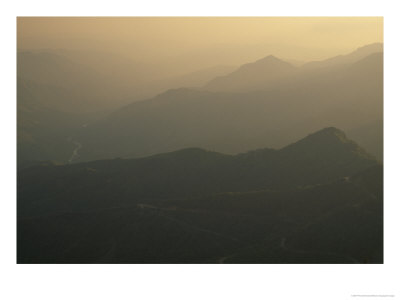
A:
324, 156
318, 200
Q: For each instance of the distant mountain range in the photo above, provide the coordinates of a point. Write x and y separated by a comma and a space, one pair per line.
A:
267, 104
318, 200
269, 71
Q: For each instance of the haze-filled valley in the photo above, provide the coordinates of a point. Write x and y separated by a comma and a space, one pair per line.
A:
254, 151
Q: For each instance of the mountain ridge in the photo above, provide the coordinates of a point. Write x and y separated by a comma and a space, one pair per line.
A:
353, 56
264, 206
192, 171
263, 71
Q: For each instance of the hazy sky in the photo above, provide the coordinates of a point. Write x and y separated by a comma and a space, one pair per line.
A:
202, 41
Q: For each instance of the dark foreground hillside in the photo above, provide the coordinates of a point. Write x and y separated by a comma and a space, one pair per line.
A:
319, 200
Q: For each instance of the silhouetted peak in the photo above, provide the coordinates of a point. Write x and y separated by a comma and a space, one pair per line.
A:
329, 131
267, 63
257, 75
271, 60
328, 142
327, 137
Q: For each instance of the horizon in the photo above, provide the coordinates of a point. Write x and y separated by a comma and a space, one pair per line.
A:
213, 41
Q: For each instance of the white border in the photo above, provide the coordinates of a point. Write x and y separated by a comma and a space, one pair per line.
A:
197, 281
